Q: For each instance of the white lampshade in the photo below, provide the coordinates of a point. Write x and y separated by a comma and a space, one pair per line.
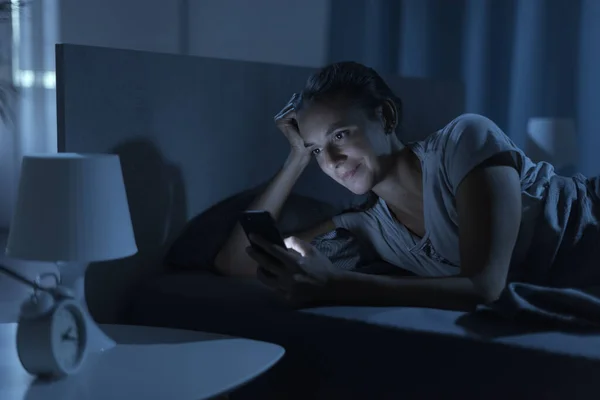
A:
71, 207
553, 140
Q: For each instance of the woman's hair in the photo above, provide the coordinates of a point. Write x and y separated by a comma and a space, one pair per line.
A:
353, 82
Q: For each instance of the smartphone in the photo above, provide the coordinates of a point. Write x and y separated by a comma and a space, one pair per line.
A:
261, 223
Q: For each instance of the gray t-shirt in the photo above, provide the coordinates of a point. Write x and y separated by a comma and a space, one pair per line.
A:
447, 156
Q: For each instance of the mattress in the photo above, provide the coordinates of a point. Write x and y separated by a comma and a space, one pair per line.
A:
378, 351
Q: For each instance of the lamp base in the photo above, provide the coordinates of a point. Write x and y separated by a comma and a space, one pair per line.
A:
73, 278
98, 340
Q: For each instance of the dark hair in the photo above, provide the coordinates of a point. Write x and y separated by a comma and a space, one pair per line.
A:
352, 81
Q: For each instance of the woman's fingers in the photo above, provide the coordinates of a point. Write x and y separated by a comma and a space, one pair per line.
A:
281, 283
289, 107
266, 261
267, 278
282, 254
284, 112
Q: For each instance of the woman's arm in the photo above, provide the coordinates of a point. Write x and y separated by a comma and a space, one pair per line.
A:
232, 259
489, 212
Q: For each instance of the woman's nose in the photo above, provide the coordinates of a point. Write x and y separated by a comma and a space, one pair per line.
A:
334, 157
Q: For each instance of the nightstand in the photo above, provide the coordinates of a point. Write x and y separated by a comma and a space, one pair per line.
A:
147, 363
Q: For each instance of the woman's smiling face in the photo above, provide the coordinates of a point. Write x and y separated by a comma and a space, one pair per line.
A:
349, 146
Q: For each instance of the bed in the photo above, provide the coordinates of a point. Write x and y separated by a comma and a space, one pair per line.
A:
188, 131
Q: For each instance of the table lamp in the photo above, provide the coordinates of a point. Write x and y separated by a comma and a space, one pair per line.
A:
553, 140
72, 209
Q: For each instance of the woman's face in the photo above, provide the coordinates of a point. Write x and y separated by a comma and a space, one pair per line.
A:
349, 147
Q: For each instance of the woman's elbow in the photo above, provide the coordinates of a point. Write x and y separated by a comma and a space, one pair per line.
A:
487, 287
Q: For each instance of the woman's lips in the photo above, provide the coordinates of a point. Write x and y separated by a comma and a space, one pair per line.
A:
350, 174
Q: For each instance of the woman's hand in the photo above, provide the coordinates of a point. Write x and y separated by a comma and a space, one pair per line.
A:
300, 273
288, 125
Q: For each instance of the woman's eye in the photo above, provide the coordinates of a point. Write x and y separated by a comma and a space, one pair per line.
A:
340, 135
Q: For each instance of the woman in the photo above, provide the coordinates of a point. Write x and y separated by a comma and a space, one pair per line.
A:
464, 209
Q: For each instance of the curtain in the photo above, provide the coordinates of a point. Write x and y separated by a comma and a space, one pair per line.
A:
32, 31
6, 125
517, 59
27, 40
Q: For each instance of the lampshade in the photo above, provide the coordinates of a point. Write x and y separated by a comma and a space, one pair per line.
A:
553, 140
71, 207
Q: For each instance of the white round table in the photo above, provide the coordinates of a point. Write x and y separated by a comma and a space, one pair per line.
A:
147, 363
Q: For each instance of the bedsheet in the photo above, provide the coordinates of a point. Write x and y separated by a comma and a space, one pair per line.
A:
363, 351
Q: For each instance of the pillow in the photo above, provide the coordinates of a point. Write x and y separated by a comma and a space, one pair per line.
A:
204, 235
347, 252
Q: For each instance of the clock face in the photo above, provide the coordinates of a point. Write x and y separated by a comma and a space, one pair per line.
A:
68, 337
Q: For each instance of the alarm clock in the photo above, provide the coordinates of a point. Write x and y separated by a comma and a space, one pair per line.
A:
52, 336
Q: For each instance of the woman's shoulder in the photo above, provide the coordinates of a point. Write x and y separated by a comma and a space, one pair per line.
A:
470, 125
467, 131
470, 119
467, 142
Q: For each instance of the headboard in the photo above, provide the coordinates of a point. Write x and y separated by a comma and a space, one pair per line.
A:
190, 132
